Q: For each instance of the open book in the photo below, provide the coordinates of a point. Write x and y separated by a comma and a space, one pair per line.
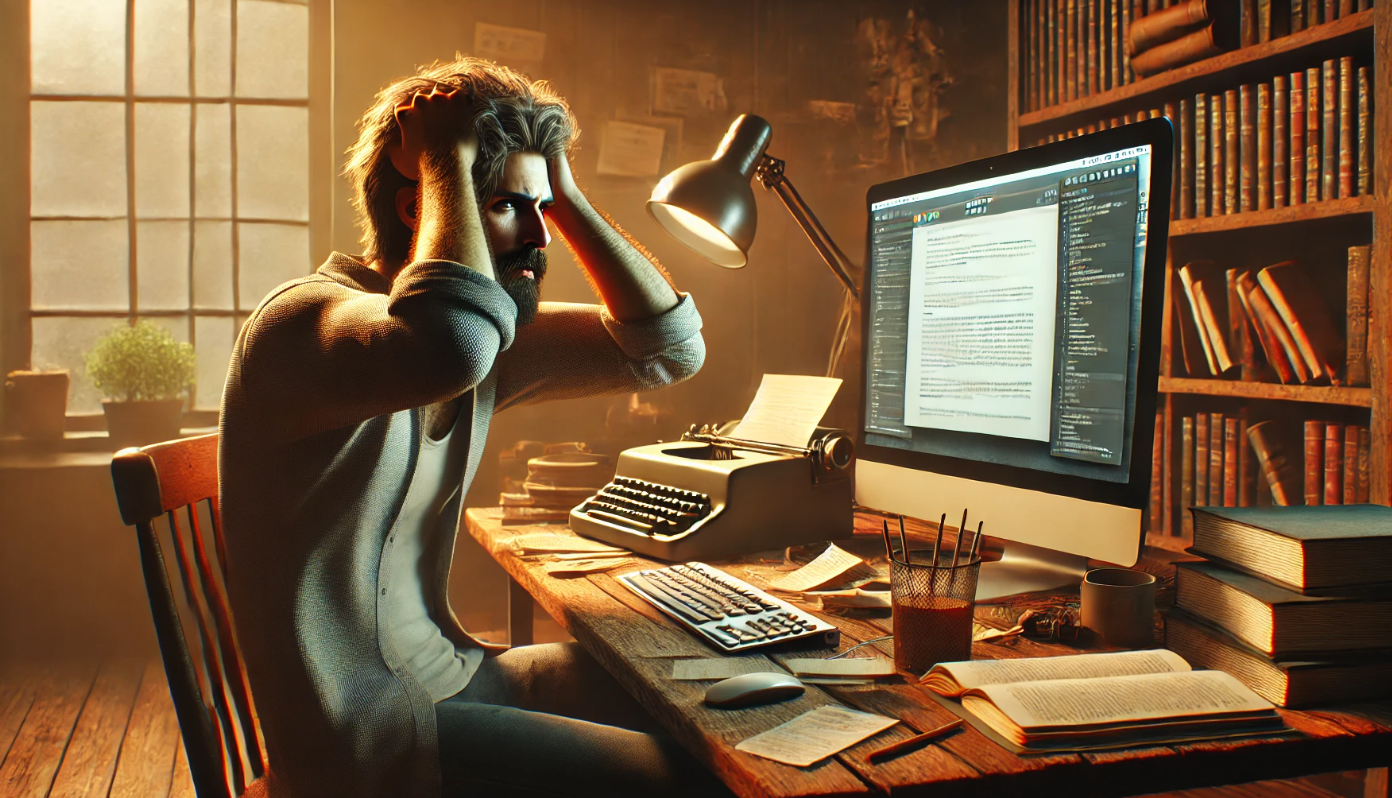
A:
1103, 700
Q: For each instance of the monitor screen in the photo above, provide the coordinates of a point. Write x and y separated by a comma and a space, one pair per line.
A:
1003, 312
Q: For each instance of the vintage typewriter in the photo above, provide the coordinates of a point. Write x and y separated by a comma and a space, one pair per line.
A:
709, 495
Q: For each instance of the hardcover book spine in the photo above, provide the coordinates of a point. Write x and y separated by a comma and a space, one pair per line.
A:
1347, 116
1247, 147
1274, 461
1186, 159
1070, 68
1080, 47
1200, 158
1297, 138
1058, 24
1215, 155
1263, 146
1365, 453
1365, 132
1312, 135
1114, 42
1314, 462
1312, 13
1246, 465
1334, 464
1350, 476
1172, 114
1231, 474
1031, 55
1297, 15
1280, 143
1157, 476
1127, 75
1215, 459
1186, 475
1232, 152
1329, 167
1249, 23
1240, 342
1093, 59
1187, 49
1359, 260
1264, 33
1201, 426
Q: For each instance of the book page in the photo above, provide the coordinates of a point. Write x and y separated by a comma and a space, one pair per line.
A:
981, 324
1079, 703
832, 564
786, 409
815, 735
978, 673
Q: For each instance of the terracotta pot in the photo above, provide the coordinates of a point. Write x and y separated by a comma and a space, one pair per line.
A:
36, 402
142, 423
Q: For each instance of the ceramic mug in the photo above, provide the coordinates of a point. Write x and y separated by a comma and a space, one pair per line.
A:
1119, 605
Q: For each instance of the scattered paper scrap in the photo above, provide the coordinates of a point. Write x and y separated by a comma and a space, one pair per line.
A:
558, 544
833, 564
593, 555
582, 567
858, 666
853, 599
786, 409
815, 735
686, 670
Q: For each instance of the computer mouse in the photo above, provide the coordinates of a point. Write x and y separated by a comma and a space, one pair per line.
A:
753, 688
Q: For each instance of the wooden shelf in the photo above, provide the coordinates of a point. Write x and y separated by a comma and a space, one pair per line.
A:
1257, 62
1328, 209
1321, 394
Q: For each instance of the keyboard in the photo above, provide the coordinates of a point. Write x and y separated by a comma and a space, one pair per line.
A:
647, 507
728, 612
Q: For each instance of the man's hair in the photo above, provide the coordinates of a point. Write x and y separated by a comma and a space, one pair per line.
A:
511, 115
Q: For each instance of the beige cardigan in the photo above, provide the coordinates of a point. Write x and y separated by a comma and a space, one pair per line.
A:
321, 427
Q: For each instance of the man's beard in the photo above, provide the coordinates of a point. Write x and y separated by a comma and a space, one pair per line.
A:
525, 291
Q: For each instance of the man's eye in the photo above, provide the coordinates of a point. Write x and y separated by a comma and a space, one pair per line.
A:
503, 205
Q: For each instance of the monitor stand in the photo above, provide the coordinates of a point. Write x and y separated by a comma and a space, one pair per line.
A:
1028, 569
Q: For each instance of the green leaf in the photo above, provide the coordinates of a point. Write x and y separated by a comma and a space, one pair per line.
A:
141, 362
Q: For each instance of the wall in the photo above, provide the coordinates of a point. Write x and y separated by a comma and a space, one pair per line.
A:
774, 57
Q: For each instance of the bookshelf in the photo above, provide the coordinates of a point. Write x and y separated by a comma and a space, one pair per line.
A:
1312, 232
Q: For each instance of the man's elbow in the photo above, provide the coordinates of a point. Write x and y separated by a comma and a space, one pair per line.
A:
676, 363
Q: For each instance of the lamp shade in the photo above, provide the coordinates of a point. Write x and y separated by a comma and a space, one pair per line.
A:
709, 205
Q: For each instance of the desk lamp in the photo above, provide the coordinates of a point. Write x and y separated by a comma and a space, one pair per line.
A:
709, 205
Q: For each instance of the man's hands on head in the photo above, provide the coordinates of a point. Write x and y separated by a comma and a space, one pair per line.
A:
434, 123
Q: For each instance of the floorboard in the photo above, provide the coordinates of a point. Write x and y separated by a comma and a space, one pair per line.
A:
90, 763
145, 767
38, 748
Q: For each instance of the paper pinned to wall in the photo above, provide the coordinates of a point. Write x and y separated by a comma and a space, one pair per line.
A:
630, 150
519, 48
787, 409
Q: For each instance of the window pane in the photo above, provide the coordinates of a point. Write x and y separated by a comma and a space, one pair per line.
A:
212, 52
78, 46
79, 265
77, 158
270, 255
212, 265
161, 47
215, 336
161, 160
272, 49
213, 161
161, 265
273, 162
63, 343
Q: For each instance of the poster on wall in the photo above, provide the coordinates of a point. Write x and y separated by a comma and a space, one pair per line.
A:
630, 150
521, 49
686, 92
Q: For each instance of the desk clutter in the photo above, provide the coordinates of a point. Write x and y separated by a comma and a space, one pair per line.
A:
556, 478
1293, 602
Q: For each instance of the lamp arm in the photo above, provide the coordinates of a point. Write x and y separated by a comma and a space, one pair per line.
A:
771, 176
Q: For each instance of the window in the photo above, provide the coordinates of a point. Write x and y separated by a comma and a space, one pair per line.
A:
169, 163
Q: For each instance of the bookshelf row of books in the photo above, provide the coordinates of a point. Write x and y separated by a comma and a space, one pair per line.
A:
1078, 48
1292, 602
1300, 138
1227, 460
1271, 324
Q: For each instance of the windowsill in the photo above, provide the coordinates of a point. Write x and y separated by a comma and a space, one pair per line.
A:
75, 448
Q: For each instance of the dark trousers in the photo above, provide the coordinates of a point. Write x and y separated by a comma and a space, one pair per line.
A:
548, 720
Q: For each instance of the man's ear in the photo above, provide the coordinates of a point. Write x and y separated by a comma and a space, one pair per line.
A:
406, 207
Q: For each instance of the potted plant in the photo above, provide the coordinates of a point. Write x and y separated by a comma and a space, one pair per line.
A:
143, 372
36, 402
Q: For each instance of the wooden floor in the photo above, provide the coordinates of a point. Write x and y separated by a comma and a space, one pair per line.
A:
89, 731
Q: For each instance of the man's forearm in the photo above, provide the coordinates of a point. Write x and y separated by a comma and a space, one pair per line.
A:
631, 286
450, 227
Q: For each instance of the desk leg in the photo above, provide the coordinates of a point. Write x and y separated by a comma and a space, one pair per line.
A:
519, 615
1375, 783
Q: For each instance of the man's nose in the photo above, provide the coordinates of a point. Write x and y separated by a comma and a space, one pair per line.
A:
534, 229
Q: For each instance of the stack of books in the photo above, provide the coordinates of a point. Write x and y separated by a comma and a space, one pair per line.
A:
1293, 602
555, 483
1188, 31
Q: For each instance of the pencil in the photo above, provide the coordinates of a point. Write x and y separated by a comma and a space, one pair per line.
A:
904, 542
889, 550
914, 742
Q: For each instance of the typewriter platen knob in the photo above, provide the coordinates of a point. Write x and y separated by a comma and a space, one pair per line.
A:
836, 451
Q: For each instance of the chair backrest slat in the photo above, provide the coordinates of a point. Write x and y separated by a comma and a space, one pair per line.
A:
214, 705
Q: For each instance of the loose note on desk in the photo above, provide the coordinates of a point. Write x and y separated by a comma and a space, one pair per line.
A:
558, 544
786, 409
690, 670
833, 564
859, 666
815, 735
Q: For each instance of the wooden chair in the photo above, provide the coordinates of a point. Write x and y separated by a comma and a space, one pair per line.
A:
179, 480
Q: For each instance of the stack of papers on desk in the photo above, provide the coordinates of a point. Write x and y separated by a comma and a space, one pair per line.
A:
574, 556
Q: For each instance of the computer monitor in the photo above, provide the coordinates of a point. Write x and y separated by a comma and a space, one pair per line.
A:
1011, 344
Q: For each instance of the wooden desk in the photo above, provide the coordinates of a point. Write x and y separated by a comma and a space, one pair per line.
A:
637, 644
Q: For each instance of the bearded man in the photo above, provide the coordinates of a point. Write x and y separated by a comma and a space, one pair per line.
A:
353, 419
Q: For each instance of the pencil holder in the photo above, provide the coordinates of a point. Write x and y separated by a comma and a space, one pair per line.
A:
933, 608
